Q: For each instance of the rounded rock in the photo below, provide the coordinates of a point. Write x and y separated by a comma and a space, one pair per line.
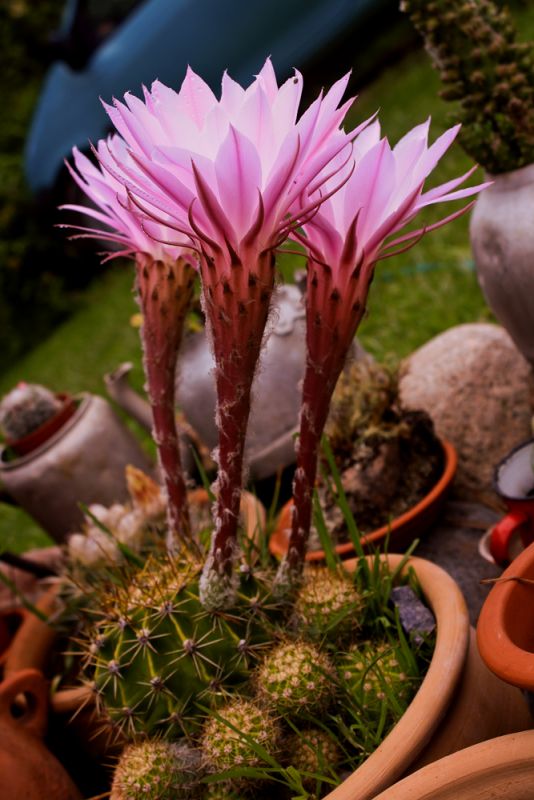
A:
479, 391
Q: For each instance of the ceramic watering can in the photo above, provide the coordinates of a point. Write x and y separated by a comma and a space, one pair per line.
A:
28, 771
82, 462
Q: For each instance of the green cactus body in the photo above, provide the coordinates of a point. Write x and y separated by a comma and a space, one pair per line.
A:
474, 47
161, 656
327, 604
158, 771
295, 678
226, 739
26, 408
314, 752
376, 674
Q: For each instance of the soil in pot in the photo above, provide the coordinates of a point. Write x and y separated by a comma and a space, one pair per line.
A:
388, 458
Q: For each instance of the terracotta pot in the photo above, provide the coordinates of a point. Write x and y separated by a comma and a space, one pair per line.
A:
35, 640
28, 771
505, 631
456, 677
500, 768
74, 467
402, 530
41, 434
502, 239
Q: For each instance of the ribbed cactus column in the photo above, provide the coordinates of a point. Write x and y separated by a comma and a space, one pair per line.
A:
165, 290
473, 44
237, 300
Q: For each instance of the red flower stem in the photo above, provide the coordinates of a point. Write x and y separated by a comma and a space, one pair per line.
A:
165, 291
332, 320
237, 307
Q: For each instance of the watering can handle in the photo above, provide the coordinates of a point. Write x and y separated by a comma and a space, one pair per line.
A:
502, 534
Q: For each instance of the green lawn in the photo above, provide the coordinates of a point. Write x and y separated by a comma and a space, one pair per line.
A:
414, 297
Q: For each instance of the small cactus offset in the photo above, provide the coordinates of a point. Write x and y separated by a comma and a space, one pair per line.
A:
296, 678
158, 771
159, 655
327, 604
25, 408
313, 753
375, 672
473, 45
228, 738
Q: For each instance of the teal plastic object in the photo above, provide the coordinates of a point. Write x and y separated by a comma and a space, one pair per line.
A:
158, 40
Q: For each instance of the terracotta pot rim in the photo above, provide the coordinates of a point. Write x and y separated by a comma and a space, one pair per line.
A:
502, 655
411, 733
482, 770
279, 539
83, 401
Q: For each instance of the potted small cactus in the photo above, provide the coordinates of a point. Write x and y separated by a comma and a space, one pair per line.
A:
369, 435
489, 75
227, 674
30, 414
53, 458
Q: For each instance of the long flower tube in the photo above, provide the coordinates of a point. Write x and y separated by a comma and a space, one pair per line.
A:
164, 286
345, 239
229, 173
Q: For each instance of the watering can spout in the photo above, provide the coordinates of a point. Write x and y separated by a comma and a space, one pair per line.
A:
119, 389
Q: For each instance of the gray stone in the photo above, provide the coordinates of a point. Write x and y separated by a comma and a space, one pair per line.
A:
479, 391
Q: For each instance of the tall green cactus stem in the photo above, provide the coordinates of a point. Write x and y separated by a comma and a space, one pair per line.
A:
334, 308
25, 408
165, 290
237, 296
158, 771
158, 656
472, 44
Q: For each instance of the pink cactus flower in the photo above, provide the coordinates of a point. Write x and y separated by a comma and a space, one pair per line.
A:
229, 173
164, 282
350, 232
